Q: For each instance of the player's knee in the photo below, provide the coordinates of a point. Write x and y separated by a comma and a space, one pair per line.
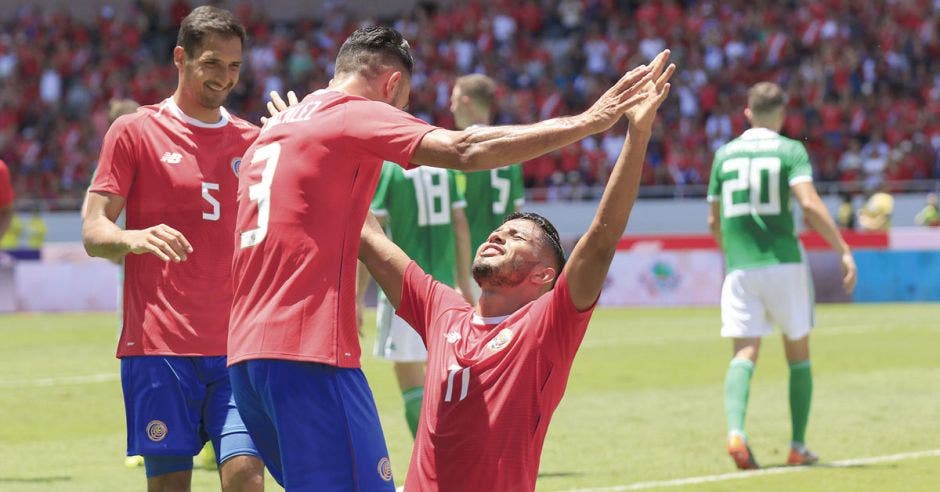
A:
174, 481
242, 474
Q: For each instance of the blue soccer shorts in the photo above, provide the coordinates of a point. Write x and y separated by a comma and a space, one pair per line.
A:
315, 425
174, 405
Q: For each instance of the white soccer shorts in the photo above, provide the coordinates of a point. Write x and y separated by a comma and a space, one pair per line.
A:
754, 300
396, 341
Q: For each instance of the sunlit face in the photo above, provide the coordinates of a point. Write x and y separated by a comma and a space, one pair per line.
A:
508, 255
209, 77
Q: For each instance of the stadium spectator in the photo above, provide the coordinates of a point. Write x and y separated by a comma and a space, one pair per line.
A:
497, 370
875, 215
848, 78
423, 211
293, 348
929, 216
7, 195
767, 281
173, 164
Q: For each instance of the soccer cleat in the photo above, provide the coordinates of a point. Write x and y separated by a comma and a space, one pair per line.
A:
134, 461
801, 456
741, 453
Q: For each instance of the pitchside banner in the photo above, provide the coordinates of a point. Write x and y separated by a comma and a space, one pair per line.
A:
664, 278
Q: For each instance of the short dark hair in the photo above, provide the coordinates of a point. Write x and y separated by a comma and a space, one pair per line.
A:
369, 48
550, 234
204, 21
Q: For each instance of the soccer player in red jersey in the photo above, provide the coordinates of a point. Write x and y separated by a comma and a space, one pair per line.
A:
174, 166
497, 371
6, 198
303, 196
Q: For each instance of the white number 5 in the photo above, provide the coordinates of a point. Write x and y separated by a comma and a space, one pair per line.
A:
261, 192
216, 206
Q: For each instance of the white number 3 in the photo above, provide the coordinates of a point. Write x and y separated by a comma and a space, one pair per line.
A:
261, 192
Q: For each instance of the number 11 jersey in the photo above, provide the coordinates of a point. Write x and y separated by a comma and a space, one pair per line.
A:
751, 178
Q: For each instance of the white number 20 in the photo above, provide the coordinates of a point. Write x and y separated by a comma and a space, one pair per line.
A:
261, 192
749, 172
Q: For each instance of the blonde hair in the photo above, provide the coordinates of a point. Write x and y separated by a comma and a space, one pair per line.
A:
765, 97
479, 88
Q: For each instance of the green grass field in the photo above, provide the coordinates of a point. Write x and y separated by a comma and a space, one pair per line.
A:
644, 405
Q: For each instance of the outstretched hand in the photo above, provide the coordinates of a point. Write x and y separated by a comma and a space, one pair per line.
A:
642, 107
277, 104
610, 107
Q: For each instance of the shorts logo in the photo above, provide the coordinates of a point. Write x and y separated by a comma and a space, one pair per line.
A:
156, 430
385, 469
501, 340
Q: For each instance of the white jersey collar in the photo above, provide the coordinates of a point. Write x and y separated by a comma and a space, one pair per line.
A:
171, 105
488, 320
755, 133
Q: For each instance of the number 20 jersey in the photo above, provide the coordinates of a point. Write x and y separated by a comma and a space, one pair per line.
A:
751, 178
174, 170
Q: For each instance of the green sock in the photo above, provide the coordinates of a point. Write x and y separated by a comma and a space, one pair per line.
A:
801, 395
737, 389
413, 398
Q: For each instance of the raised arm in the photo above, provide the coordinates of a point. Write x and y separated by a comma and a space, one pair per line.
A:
489, 147
587, 267
102, 237
814, 210
463, 254
384, 259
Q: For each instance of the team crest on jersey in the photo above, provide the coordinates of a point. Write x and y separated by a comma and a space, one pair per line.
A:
171, 157
236, 163
501, 340
385, 469
156, 430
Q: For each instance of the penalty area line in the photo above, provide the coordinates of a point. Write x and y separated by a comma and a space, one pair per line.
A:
848, 463
63, 381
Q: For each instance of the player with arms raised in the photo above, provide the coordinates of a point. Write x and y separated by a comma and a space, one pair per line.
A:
497, 371
767, 280
174, 166
303, 197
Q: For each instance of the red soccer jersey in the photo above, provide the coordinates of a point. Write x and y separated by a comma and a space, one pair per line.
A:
303, 195
6, 186
492, 385
175, 170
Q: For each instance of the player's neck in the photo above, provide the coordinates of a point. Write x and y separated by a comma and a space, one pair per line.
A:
500, 301
195, 110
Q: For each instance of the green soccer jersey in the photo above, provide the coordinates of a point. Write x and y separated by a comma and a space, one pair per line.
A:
750, 179
418, 206
491, 196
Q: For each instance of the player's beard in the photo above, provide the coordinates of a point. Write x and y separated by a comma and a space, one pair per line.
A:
211, 99
504, 274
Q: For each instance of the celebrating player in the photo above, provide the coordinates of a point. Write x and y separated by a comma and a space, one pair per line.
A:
174, 165
423, 212
767, 280
303, 197
491, 195
497, 371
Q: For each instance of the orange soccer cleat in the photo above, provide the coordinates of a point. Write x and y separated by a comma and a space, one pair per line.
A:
800, 456
741, 453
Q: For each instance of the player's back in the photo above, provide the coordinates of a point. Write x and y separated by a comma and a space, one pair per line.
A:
491, 196
751, 178
178, 171
303, 195
418, 204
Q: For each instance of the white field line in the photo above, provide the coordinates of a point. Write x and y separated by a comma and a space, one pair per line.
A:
63, 381
678, 482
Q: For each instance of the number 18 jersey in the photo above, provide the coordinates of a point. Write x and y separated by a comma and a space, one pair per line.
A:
750, 179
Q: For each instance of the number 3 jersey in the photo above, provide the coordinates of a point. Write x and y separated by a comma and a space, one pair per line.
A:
304, 192
492, 385
750, 179
175, 170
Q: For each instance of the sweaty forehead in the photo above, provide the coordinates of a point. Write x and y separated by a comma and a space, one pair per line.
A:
526, 227
227, 48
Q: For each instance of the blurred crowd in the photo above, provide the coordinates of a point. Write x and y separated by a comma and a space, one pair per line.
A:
863, 79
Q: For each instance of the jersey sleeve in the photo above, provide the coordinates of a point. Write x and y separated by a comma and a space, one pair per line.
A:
6, 187
116, 163
714, 185
516, 188
379, 204
458, 200
561, 325
422, 298
381, 130
798, 166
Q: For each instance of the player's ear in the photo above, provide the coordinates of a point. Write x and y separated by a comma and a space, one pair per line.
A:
179, 55
391, 85
748, 114
543, 275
